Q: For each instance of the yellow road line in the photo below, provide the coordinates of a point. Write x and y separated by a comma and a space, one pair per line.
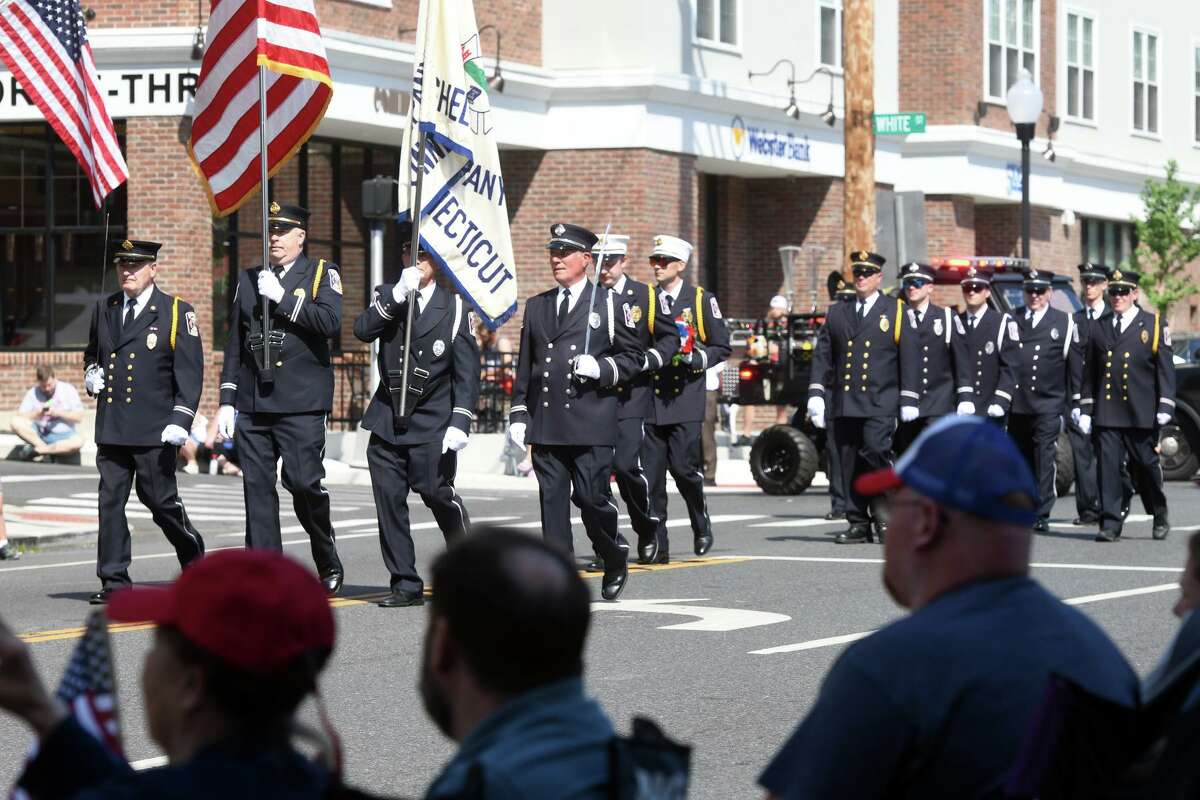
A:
371, 598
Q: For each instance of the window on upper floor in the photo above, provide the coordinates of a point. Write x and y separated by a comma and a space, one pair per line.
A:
1081, 76
717, 21
1145, 82
1011, 28
829, 28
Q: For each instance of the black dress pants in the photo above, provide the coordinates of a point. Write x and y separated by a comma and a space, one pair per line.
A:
299, 439
1114, 445
631, 478
864, 444
833, 464
1036, 436
151, 471
425, 469
907, 433
1087, 491
580, 473
676, 448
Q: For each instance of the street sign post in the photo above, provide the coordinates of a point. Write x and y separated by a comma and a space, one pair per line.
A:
899, 124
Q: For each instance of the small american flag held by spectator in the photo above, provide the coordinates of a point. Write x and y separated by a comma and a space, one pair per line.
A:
89, 688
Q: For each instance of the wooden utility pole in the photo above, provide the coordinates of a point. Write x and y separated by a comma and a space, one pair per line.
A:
858, 57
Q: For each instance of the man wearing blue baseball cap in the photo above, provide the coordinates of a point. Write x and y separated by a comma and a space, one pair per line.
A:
940, 700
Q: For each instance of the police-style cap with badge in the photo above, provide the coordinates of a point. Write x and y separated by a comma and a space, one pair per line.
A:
285, 216
1038, 277
1090, 269
837, 286
135, 250
1124, 277
864, 262
977, 276
571, 237
617, 244
914, 271
672, 247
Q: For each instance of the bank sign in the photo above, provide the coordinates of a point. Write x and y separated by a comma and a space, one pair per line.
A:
768, 145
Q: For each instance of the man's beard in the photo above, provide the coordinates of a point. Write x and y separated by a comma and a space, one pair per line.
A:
437, 704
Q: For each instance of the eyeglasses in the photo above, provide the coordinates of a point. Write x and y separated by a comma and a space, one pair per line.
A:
661, 260
972, 288
1036, 290
1119, 291
916, 283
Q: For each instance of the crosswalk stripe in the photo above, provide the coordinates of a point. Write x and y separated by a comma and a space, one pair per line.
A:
719, 519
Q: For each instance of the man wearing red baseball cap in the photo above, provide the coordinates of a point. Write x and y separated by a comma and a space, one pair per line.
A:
939, 701
242, 636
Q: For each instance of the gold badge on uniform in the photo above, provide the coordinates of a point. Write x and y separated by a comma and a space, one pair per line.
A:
636, 313
151, 341
1145, 336
883, 324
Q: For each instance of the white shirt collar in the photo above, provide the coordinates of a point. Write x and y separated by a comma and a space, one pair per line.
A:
139, 302
921, 309
978, 315
674, 289
619, 286
284, 269
573, 292
1128, 316
423, 295
1097, 308
1037, 315
866, 304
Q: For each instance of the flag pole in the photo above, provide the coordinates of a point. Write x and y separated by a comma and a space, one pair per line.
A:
267, 373
587, 335
413, 250
104, 245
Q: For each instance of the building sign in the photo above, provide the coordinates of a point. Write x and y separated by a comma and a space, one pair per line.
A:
769, 145
1014, 178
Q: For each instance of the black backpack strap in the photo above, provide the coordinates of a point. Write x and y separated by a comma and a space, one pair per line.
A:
648, 765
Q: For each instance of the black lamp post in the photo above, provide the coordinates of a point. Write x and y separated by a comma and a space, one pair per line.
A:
1024, 107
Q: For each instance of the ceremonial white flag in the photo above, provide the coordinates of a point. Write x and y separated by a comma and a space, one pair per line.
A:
464, 217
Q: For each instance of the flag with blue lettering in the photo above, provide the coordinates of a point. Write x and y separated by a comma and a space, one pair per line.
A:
464, 216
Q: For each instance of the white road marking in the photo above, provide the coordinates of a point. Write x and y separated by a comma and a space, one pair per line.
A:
1096, 598
1036, 565
149, 763
708, 618
799, 523
40, 478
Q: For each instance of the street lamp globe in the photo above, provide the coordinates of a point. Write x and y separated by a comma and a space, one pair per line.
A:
1024, 100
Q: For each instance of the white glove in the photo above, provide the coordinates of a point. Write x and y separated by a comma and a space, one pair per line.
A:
516, 434
269, 286
816, 411
1085, 424
966, 408
410, 281
93, 380
226, 419
173, 434
586, 366
1163, 419
455, 439
995, 411
1075, 414
908, 413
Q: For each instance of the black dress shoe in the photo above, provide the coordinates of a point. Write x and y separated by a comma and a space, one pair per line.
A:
703, 543
1042, 525
647, 550
613, 582
880, 529
622, 543
662, 556
1108, 536
1160, 530
596, 564
101, 597
832, 515
857, 534
1086, 519
401, 599
1124, 512
332, 581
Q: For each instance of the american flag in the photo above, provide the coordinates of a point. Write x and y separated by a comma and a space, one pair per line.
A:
89, 688
284, 38
44, 44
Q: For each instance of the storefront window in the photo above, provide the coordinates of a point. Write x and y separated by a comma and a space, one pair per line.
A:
53, 255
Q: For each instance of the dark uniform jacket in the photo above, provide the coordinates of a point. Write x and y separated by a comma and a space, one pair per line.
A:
1079, 366
1044, 362
679, 388
856, 364
656, 337
308, 316
987, 369
443, 345
587, 413
927, 357
1131, 376
153, 372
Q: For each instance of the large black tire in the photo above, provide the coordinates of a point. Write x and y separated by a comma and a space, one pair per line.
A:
783, 460
1178, 457
1064, 460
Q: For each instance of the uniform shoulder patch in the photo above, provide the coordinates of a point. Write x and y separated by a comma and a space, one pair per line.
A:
958, 326
629, 321
335, 281
1166, 335
192, 327
1012, 331
716, 310
663, 306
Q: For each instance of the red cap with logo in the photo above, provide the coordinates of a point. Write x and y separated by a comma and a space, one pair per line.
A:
257, 610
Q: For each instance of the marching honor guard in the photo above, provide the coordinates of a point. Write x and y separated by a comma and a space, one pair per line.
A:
144, 364
839, 291
280, 411
677, 412
562, 402
929, 355
990, 350
1048, 345
1129, 392
420, 450
856, 370
1093, 280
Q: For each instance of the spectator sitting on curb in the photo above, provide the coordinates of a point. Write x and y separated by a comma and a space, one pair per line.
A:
47, 417
7, 551
502, 672
939, 701
242, 637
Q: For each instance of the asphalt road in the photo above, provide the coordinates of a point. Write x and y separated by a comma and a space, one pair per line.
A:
726, 653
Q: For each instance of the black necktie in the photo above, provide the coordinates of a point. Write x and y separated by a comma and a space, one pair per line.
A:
562, 307
920, 316
129, 305
1091, 314
973, 320
670, 301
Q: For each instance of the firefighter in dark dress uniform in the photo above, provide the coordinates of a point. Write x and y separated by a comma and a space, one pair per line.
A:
1048, 346
419, 451
281, 411
927, 358
563, 404
144, 364
839, 291
677, 411
1129, 392
856, 371
1093, 280
986, 372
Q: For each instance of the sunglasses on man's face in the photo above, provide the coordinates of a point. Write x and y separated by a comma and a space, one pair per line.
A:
916, 283
1119, 291
863, 272
660, 261
1093, 281
972, 288
562, 252
1039, 290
